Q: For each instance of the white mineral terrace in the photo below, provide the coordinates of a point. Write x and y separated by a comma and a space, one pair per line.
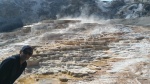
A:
77, 52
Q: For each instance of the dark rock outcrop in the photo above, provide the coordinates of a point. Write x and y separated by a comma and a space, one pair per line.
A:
8, 25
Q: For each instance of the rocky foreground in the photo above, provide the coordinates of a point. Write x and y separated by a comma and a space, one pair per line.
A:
77, 52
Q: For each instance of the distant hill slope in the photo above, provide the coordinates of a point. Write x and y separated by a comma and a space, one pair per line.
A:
32, 11
37, 10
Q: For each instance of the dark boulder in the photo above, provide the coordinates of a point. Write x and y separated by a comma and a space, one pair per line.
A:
8, 25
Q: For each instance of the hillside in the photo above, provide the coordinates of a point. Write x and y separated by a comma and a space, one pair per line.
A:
32, 11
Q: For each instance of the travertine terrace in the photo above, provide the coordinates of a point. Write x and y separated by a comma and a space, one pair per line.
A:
77, 52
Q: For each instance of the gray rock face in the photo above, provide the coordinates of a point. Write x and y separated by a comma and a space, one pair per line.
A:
134, 10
